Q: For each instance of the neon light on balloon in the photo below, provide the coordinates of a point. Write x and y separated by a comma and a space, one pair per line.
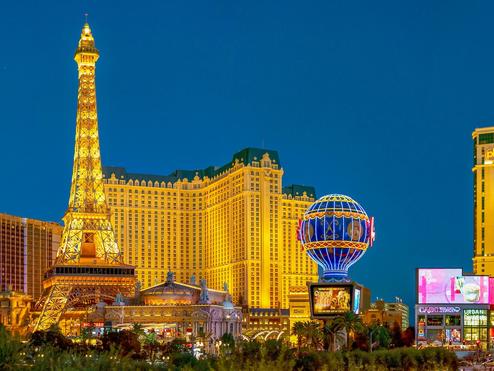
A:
335, 232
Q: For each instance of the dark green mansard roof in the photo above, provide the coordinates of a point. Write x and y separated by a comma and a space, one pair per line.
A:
298, 190
250, 154
122, 174
245, 156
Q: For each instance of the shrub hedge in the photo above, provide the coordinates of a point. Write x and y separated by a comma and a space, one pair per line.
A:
45, 354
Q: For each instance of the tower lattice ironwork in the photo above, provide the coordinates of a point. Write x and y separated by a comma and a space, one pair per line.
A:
89, 266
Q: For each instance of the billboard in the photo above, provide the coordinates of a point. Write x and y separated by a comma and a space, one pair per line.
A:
330, 299
453, 335
450, 286
356, 300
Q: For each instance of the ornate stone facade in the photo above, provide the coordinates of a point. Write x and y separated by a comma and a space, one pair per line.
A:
174, 309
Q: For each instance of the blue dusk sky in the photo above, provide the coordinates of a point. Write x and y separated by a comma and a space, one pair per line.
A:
373, 99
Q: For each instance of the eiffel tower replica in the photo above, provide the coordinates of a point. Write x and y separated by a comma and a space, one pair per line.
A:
89, 266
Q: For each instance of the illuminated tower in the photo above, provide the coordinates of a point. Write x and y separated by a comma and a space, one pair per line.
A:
89, 266
483, 200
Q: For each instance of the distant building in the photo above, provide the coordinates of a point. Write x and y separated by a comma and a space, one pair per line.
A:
483, 201
27, 249
236, 223
387, 314
399, 307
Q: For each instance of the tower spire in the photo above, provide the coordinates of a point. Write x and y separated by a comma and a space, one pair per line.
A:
89, 263
86, 45
86, 194
88, 232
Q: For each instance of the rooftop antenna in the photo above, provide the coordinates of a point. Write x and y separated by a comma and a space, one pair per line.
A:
85, 15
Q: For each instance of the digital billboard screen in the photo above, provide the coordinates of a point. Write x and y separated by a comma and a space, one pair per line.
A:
356, 301
450, 286
328, 300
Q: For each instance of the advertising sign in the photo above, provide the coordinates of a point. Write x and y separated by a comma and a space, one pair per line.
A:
330, 299
421, 330
438, 309
92, 324
453, 335
450, 286
356, 300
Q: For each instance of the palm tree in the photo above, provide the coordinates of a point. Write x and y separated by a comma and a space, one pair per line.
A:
352, 323
312, 334
379, 334
332, 328
298, 329
138, 329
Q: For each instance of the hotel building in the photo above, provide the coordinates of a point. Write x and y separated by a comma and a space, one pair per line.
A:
483, 200
27, 249
454, 308
234, 224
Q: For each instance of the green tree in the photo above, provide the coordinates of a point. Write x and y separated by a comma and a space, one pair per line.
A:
227, 343
313, 334
249, 350
126, 341
272, 349
352, 324
396, 335
408, 337
151, 345
183, 360
298, 329
137, 329
52, 337
175, 346
332, 333
380, 335
11, 350
361, 341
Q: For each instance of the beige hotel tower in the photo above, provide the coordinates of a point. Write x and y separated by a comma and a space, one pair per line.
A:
483, 202
234, 224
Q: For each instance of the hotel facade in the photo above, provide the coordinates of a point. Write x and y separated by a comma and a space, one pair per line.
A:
483, 201
28, 247
235, 224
